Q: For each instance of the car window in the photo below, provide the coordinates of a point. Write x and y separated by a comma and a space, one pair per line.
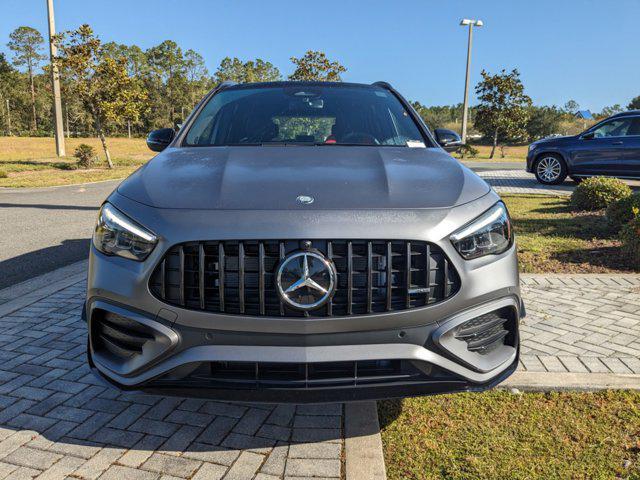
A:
306, 115
634, 129
613, 128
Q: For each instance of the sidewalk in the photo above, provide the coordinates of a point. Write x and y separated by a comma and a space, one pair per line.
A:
57, 421
581, 323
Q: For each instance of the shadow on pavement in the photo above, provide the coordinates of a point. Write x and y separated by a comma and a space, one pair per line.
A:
46, 206
28, 265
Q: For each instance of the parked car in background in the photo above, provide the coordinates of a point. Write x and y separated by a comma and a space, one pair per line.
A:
609, 148
303, 242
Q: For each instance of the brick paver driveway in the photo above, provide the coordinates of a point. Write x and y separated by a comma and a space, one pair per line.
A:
56, 420
581, 323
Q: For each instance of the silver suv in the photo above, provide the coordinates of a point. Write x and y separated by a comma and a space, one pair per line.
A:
303, 242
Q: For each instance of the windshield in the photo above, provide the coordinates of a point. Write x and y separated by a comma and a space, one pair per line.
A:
305, 115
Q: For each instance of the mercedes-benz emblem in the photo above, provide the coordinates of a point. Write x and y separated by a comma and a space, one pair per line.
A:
306, 280
305, 199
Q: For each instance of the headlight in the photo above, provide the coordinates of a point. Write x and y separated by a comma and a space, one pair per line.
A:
489, 234
117, 234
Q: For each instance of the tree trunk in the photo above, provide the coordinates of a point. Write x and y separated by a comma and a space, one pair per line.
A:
103, 140
105, 148
495, 143
33, 100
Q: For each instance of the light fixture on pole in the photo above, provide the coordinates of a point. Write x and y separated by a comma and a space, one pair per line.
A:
465, 106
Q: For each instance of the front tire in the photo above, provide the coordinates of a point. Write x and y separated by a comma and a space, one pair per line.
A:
550, 169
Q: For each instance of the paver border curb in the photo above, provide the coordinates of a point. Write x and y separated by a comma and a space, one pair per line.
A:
364, 459
565, 381
25, 293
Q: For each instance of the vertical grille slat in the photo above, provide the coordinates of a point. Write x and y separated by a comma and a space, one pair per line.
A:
389, 272
201, 264
349, 278
427, 271
238, 277
221, 267
408, 275
330, 257
281, 255
182, 274
163, 278
261, 277
369, 277
241, 275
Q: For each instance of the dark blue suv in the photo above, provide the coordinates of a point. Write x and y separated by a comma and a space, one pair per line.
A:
610, 148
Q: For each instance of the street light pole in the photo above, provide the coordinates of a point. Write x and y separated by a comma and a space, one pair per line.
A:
465, 104
55, 82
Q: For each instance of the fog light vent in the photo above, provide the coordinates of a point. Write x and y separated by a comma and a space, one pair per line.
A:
119, 335
485, 333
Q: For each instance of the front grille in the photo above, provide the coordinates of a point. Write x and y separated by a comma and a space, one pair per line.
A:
263, 375
238, 277
487, 332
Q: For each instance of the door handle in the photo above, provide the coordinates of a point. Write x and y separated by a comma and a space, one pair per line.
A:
617, 143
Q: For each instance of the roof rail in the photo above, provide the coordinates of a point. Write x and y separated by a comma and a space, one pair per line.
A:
386, 85
225, 84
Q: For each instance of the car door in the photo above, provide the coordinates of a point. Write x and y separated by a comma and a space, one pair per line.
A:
631, 162
600, 150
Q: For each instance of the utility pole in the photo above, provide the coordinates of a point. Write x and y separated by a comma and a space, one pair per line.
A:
8, 117
465, 104
55, 82
66, 115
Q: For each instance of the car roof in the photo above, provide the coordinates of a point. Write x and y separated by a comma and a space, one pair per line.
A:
626, 114
316, 83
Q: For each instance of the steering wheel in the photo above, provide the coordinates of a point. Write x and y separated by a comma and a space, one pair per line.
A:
360, 138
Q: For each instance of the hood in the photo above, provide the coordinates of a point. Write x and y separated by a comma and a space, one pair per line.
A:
560, 139
272, 177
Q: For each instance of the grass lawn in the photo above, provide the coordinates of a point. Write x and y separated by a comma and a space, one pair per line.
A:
501, 435
31, 161
552, 238
516, 153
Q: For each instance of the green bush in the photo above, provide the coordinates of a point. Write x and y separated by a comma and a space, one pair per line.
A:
621, 211
3, 174
630, 238
85, 155
65, 166
467, 150
597, 193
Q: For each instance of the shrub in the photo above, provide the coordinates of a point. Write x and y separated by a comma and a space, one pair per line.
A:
597, 193
3, 174
468, 150
85, 155
621, 211
630, 238
65, 166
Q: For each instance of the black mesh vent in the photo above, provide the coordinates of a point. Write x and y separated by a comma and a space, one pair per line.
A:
237, 277
487, 332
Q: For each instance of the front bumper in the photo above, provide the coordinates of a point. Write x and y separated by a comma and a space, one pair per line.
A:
412, 352
531, 154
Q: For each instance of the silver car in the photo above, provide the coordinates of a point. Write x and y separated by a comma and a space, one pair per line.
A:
303, 242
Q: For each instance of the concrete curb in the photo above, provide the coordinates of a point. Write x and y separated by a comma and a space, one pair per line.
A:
22, 294
562, 381
364, 459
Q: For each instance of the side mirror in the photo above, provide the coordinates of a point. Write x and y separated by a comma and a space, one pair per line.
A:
160, 139
449, 140
589, 136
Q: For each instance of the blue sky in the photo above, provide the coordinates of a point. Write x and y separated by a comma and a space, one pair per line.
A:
565, 49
